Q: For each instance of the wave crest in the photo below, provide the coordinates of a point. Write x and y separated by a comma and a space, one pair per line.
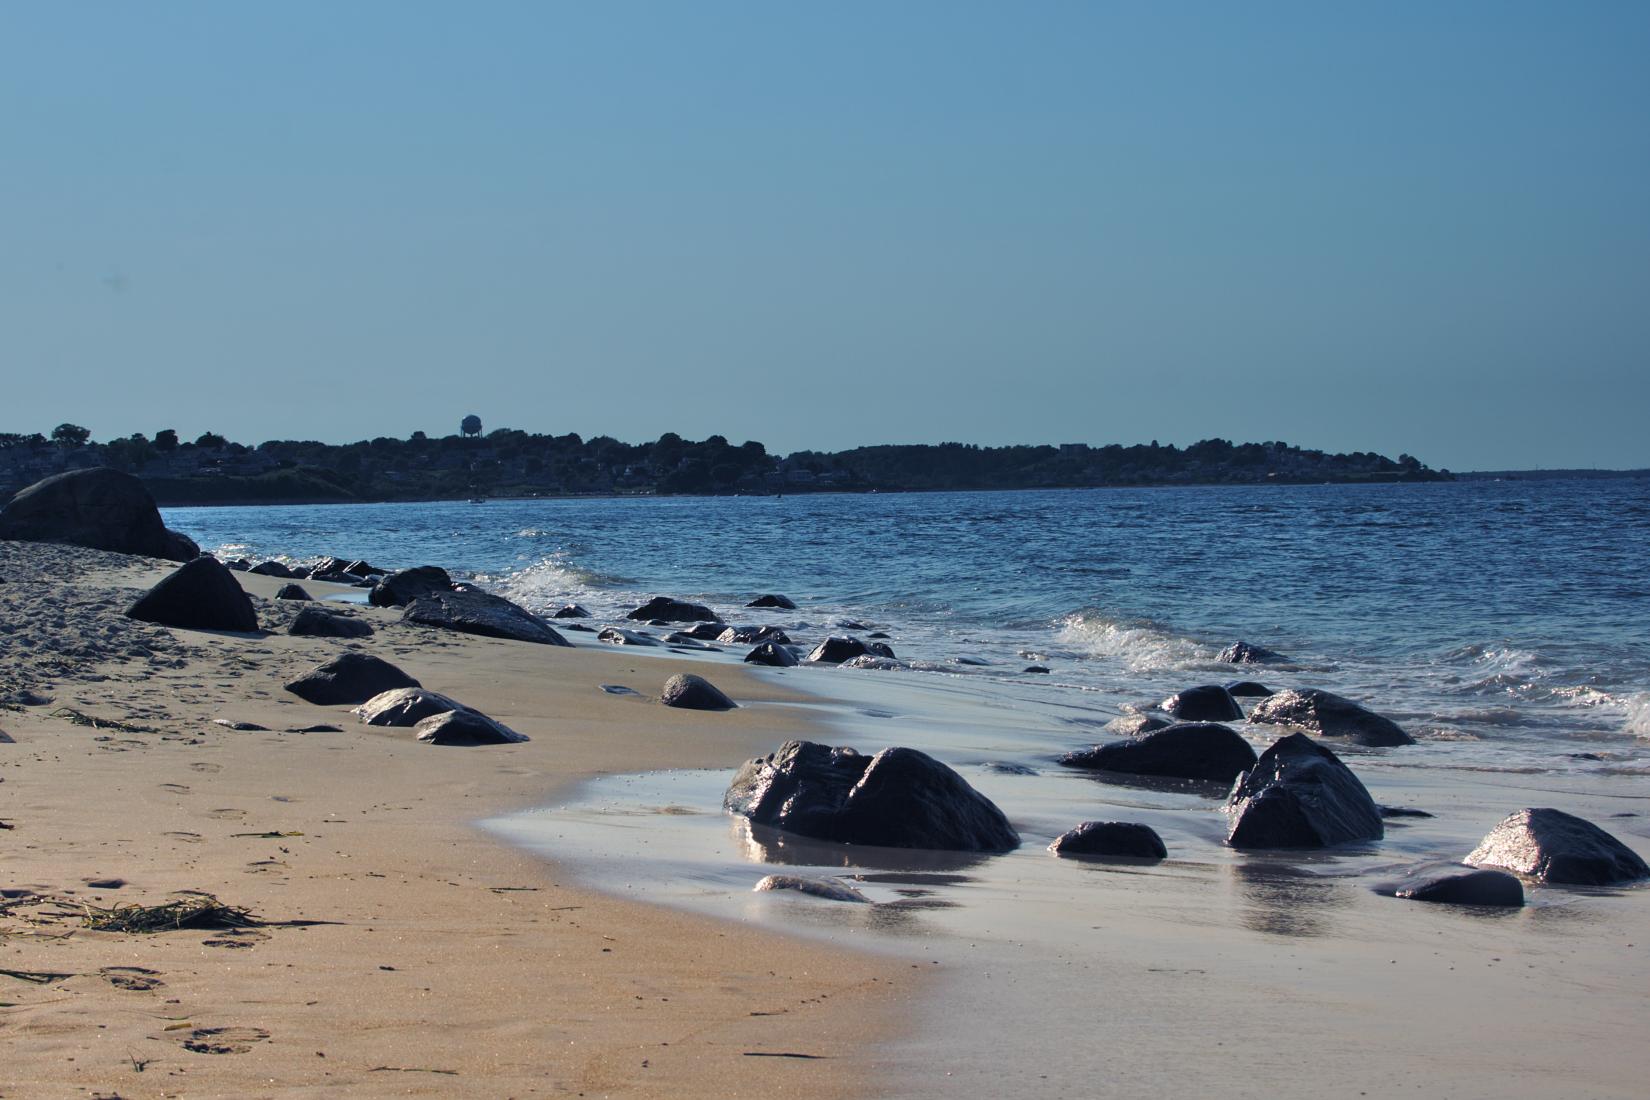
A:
1142, 645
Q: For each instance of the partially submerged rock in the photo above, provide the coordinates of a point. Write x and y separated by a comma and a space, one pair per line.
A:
1206, 703
1110, 838
1452, 884
1330, 715
406, 706
477, 612
1189, 750
401, 589
1133, 725
836, 649
1553, 846
691, 692
101, 509
349, 678
1242, 653
899, 798
314, 622
814, 887
272, 569
753, 635
571, 611
671, 610
465, 727
773, 600
771, 654
1248, 689
200, 595
1300, 795
614, 636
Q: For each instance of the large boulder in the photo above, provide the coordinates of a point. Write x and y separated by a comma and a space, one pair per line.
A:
313, 622
199, 595
465, 727
899, 798
350, 678
1329, 715
476, 612
1300, 795
668, 610
694, 693
406, 706
1187, 750
1206, 703
771, 654
1553, 846
783, 603
1242, 653
1110, 838
836, 649
102, 509
401, 589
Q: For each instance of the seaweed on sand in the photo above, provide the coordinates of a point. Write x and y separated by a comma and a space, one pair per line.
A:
191, 909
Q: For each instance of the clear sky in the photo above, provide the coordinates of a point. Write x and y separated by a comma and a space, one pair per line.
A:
1417, 227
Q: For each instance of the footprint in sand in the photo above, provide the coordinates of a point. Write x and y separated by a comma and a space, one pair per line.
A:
208, 769
239, 937
223, 1040
226, 813
136, 978
175, 788
187, 838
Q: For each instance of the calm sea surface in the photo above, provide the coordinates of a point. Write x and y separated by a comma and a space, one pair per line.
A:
1505, 624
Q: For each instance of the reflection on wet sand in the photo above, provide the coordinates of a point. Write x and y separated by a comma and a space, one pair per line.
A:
1281, 899
765, 844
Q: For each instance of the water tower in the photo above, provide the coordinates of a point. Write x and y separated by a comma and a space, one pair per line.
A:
470, 426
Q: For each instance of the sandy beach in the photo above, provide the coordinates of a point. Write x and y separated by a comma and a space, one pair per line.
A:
423, 957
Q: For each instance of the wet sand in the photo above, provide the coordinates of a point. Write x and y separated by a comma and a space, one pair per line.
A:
423, 956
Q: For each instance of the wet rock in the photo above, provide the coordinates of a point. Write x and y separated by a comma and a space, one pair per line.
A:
1553, 846
814, 887
481, 613
350, 678
1329, 715
1248, 689
293, 592
200, 595
1300, 795
772, 655
465, 727
1189, 750
313, 622
1133, 725
873, 662
571, 611
773, 600
669, 610
404, 707
1001, 767
753, 635
614, 636
694, 693
703, 632
102, 509
1110, 838
401, 589
1402, 811
272, 569
881, 649
1207, 703
1242, 653
1039, 669
899, 798
836, 649
878, 635
239, 565
1454, 885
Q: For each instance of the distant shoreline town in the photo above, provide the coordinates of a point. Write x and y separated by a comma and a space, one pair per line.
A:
511, 463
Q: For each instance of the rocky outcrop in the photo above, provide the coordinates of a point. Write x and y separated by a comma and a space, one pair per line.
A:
1110, 838
1242, 653
783, 603
102, 509
690, 692
1189, 750
1206, 703
477, 612
1553, 846
313, 622
899, 798
1300, 795
668, 610
465, 727
350, 678
1329, 715
774, 656
401, 589
200, 595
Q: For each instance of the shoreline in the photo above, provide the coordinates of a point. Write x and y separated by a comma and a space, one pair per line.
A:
442, 957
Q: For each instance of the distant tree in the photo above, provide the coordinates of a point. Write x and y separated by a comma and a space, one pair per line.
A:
211, 441
417, 437
70, 435
470, 425
166, 440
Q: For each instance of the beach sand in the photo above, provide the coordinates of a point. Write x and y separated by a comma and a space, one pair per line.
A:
440, 961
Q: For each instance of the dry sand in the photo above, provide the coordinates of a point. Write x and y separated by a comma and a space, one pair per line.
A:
440, 961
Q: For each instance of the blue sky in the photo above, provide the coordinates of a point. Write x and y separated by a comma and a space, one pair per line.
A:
1416, 227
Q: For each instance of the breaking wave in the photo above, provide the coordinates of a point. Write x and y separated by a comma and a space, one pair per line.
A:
1141, 645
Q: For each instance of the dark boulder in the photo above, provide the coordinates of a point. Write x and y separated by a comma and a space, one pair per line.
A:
881, 649
899, 798
1452, 884
465, 727
704, 632
772, 655
1110, 838
614, 636
1329, 715
1189, 750
668, 610
199, 595
836, 649
773, 600
350, 678
753, 635
1208, 703
293, 592
101, 509
299, 572
1300, 795
1038, 669
1248, 689
477, 612
313, 622
404, 707
401, 589
272, 569
1553, 846
694, 693
571, 611
1242, 653
239, 565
